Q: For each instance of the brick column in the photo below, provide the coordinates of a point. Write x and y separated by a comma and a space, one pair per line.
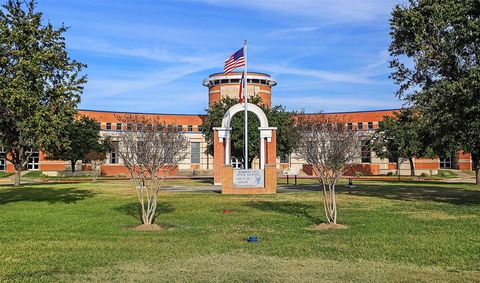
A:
272, 149
464, 161
218, 159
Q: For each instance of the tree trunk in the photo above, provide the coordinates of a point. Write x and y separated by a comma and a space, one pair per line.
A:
412, 167
18, 171
398, 168
73, 162
477, 171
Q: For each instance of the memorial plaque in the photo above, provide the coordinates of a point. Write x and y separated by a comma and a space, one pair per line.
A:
248, 178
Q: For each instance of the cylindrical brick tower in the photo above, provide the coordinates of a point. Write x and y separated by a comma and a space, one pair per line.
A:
221, 85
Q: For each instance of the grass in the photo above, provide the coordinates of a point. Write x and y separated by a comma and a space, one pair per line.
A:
446, 174
34, 174
407, 231
5, 174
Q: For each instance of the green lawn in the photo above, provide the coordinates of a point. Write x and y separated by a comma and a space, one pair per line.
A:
5, 174
411, 231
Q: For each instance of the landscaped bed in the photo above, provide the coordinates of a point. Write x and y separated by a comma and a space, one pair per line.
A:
408, 231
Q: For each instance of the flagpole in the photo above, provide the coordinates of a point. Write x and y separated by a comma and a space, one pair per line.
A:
245, 96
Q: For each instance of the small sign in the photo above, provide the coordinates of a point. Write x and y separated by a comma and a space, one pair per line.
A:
248, 178
290, 172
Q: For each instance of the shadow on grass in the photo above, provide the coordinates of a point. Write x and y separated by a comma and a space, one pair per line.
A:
287, 207
134, 209
428, 192
50, 195
206, 181
406, 190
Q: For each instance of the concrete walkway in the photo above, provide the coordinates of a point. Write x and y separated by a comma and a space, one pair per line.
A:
462, 177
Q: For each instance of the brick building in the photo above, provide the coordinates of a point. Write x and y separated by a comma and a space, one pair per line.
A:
220, 85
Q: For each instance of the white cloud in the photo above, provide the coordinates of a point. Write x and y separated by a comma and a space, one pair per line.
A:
334, 11
339, 103
153, 53
293, 30
319, 74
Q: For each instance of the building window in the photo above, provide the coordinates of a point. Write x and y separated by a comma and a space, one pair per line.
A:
190, 128
236, 164
360, 126
99, 126
200, 128
195, 152
33, 161
446, 162
129, 126
114, 153
365, 152
370, 125
119, 126
285, 158
170, 128
350, 126
392, 160
179, 128
109, 126
3, 162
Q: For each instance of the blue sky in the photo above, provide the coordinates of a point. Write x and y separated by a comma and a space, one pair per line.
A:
151, 56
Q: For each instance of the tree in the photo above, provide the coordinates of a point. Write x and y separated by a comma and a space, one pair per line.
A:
287, 132
329, 146
40, 85
97, 159
82, 136
436, 52
150, 151
401, 137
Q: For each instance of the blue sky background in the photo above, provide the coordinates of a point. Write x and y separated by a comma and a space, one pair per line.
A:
151, 56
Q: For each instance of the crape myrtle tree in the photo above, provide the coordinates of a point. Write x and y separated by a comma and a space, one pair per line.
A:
329, 146
40, 85
287, 132
96, 159
82, 136
150, 150
401, 137
436, 52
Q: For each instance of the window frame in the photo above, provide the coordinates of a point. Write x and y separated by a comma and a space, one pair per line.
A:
366, 155
33, 162
113, 157
196, 152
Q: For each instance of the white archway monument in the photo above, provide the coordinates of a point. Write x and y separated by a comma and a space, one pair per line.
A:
265, 130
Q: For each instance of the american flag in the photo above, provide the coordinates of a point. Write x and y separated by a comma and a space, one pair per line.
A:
236, 60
